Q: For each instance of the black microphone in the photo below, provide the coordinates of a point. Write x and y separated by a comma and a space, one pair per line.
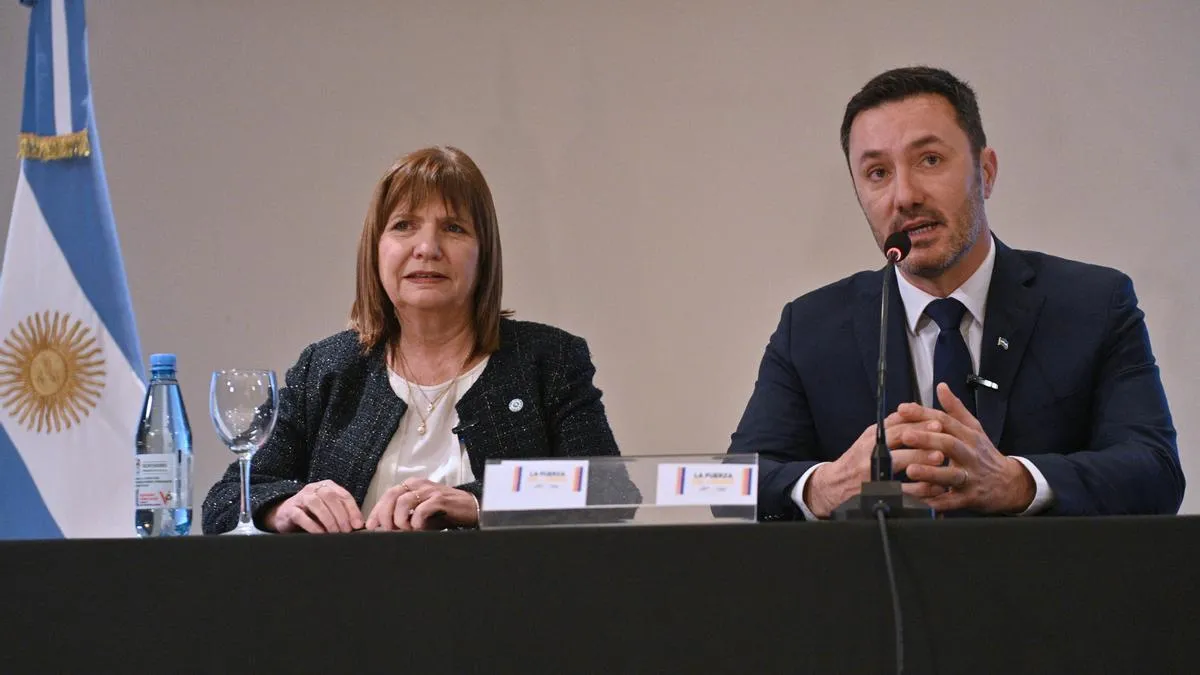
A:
895, 248
975, 382
881, 492
882, 498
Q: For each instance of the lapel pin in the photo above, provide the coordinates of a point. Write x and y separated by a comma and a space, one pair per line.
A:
516, 405
1002, 343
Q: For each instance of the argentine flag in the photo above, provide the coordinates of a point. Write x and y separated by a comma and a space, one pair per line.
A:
70, 366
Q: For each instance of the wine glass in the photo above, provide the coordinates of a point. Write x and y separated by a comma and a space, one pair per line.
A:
244, 405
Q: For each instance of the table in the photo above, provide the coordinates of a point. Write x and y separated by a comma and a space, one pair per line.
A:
979, 595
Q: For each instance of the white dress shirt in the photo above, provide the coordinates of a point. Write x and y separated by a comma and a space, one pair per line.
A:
922, 338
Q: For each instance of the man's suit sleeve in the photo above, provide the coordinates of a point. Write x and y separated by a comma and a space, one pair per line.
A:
778, 425
1132, 463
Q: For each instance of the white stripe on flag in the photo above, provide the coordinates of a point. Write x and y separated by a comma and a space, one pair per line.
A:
84, 472
62, 68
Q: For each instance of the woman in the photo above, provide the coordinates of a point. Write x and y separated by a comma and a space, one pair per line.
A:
388, 425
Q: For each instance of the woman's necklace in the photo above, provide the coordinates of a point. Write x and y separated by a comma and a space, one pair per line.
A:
430, 404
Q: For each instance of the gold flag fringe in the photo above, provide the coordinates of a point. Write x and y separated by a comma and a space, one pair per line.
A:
48, 148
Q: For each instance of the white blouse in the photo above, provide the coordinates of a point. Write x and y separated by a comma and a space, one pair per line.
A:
437, 454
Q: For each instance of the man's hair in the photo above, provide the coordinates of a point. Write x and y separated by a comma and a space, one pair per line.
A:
902, 83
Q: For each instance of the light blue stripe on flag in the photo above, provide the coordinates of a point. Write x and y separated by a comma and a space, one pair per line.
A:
78, 66
23, 513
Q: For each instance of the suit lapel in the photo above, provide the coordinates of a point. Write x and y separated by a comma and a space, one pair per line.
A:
1013, 305
501, 380
380, 411
866, 331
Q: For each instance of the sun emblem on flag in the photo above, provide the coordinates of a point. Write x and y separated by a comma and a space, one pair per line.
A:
51, 372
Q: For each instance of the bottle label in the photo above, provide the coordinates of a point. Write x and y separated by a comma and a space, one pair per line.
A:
154, 481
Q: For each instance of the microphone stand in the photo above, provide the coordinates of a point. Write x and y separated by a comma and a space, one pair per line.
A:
881, 492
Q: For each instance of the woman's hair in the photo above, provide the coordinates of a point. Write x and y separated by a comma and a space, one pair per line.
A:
445, 173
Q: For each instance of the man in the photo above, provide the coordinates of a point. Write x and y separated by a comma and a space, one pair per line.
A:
1068, 414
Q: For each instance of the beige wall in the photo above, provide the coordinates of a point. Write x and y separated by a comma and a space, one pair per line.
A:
667, 173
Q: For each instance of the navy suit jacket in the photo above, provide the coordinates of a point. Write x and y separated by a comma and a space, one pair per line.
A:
1079, 391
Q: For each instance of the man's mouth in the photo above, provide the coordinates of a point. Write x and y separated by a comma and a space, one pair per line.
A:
919, 228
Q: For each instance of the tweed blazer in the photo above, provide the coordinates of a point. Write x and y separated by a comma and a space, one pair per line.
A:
338, 412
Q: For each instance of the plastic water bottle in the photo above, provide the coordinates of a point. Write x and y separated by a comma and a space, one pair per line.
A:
163, 465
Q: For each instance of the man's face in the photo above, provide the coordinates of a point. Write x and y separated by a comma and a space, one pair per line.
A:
914, 170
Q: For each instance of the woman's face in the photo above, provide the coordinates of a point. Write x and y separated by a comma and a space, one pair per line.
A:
429, 259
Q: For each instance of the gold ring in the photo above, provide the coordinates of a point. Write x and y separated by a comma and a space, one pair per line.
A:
966, 476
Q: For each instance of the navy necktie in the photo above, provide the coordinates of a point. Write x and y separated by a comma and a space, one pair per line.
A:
951, 359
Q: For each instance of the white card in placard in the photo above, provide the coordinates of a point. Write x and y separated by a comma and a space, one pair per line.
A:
536, 484
707, 484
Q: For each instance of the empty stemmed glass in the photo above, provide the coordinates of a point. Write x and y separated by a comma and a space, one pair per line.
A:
244, 405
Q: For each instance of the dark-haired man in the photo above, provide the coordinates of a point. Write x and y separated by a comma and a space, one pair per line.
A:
1071, 419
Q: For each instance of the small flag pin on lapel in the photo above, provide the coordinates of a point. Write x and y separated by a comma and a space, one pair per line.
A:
1002, 343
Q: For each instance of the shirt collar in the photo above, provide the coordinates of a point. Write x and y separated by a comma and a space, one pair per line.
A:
972, 293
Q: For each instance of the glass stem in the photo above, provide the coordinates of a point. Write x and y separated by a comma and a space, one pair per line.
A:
244, 468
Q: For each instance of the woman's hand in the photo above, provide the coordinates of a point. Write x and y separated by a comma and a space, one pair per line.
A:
418, 504
323, 506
